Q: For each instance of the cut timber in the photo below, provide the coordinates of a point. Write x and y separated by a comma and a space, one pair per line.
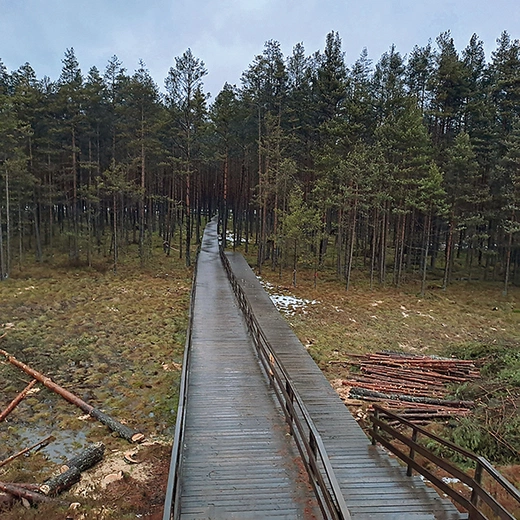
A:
43, 442
72, 469
85, 460
20, 492
61, 482
360, 393
14, 403
122, 430
24, 485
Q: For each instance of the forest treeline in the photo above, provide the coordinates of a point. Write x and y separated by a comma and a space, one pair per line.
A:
402, 167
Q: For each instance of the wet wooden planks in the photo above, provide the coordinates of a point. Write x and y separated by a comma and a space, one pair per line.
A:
238, 461
374, 485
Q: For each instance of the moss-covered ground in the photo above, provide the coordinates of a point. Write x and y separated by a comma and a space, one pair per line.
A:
116, 341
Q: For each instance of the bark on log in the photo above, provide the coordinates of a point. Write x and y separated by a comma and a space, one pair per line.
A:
20, 492
360, 393
61, 482
86, 459
25, 450
124, 431
14, 403
24, 485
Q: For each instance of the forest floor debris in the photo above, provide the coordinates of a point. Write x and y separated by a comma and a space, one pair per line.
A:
58, 319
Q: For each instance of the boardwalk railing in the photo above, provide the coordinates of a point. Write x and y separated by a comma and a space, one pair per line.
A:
172, 503
305, 434
480, 502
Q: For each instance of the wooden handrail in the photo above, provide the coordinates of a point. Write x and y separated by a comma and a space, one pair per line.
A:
307, 438
171, 509
479, 495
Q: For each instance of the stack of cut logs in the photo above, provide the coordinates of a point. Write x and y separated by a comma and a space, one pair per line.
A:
411, 385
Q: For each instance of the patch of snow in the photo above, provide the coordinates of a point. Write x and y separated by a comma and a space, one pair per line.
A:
230, 237
288, 304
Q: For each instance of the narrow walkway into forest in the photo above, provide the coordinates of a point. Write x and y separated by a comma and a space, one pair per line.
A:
238, 461
374, 485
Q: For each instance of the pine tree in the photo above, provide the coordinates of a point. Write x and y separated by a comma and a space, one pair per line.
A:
448, 88
464, 194
505, 74
508, 169
69, 107
186, 103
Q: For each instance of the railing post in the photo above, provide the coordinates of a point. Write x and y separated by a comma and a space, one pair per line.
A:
312, 443
474, 492
375, 428
289, 405
409, 470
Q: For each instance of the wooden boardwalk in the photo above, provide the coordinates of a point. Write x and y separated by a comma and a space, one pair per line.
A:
238, 462
374, 485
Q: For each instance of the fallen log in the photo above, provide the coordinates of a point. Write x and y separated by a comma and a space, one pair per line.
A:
24, 485
25, 450
85, 460
391, 389
360, 393
20, 492
123, 431
14, 403
70, 472
61, 482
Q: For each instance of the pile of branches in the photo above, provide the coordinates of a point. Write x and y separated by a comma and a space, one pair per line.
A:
415, 386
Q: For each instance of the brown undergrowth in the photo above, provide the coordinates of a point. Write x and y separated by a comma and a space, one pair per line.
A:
471, 320
114, 339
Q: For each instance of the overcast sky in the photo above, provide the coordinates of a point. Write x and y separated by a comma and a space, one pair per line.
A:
228, 34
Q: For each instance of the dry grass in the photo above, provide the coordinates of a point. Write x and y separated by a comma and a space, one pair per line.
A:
115, 340
363, 320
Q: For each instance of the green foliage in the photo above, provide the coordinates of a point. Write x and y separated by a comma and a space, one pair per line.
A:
492, 430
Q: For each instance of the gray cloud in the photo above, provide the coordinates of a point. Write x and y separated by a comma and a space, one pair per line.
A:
227, 34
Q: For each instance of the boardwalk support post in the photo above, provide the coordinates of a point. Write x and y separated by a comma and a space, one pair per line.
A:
474, 493
409, 470
375, 427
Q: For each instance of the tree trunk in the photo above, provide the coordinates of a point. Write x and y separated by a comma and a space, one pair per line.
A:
449, 248
61, 482
426, 252
8, 226
20, 492
14, 403
124, 431
508, 263
86, 459
2, 257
